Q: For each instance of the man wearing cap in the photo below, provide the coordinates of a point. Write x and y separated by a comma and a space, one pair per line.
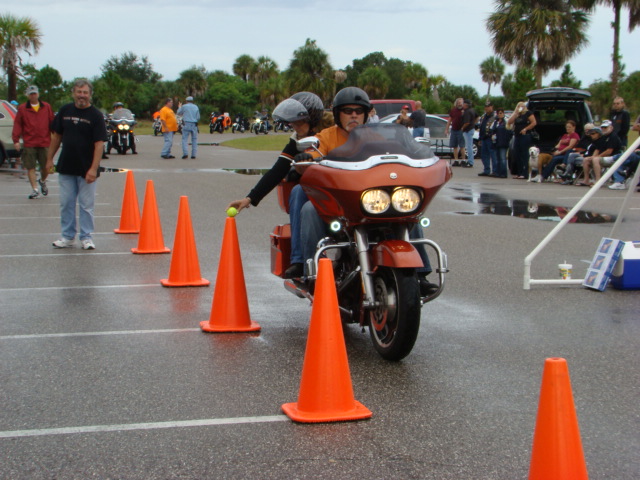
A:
607, 144
33, 125
190, 116
468, 126
169, 127
621, 120
456, 140
404, 119
487, 151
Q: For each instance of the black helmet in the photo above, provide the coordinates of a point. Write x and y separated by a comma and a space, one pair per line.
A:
313, 104
350, 96
118, 104
301, 106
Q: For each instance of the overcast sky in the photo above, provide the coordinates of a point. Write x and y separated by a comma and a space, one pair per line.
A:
448, 37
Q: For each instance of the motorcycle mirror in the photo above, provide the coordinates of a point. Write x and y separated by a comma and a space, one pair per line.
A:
307, 143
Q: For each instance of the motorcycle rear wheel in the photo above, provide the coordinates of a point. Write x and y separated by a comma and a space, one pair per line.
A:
394, 323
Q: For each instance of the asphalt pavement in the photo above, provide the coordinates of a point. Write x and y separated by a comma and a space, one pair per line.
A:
106, 374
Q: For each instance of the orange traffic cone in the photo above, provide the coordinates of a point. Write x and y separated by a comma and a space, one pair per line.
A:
230, 308
185, 269
557, 449
326, 394
150, 240
130, 215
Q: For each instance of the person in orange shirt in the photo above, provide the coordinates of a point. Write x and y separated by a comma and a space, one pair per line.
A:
169, 127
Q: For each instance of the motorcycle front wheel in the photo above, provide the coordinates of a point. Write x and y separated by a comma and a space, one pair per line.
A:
395, 321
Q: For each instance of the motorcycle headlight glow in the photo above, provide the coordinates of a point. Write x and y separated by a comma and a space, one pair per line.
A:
405, 200
120, 127
375, 201
126, 127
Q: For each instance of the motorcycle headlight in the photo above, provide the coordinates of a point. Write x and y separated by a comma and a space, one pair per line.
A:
405, 200
126, 127
375, 201
120, 127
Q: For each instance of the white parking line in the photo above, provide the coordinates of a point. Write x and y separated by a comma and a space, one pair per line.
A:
92, 334
142, 426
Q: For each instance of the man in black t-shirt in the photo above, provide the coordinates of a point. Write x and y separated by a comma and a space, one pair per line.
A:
621, 120
603, 146
79, 127
418, 120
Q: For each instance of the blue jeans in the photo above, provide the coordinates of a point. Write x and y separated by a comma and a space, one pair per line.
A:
297, 199
631, 162
468, 144
190, 128
75, 189
168, 143
315, 230
551, 166
500, 167
488, 155
418, 132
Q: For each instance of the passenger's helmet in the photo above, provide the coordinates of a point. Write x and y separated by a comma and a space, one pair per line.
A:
351, 96
301, 106
118, 104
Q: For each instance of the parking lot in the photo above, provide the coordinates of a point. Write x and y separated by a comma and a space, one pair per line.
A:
106, 374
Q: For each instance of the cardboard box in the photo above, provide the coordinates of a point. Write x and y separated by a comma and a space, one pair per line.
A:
626, 274
604, 260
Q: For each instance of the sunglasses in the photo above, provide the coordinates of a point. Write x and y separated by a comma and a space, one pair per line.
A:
349, 110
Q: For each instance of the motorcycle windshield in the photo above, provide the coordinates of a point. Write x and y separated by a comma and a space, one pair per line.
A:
366, 141
123, 114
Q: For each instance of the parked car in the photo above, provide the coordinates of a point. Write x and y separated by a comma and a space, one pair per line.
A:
7, 115
434, 134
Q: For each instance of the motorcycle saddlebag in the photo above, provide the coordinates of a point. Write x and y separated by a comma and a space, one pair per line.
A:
280, 249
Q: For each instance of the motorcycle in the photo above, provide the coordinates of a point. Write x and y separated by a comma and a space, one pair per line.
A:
260, 125
157, 127
120, 129
281, 125
371, 192
240, 125
218, 122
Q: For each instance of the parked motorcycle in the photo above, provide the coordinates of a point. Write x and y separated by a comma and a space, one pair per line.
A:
371, 191
157, 126
240, 125
120, 129
218, 122
281, 125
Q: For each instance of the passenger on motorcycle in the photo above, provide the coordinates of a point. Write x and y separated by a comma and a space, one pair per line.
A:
351, 108
304, 111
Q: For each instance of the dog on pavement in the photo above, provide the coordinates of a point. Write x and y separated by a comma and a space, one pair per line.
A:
537, 161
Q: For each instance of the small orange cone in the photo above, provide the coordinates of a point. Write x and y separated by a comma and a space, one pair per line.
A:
326, 393
557, 449
230, 308
185, 269
130, 215
150, 240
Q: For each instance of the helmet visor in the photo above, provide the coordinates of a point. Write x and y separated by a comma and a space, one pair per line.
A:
290, 110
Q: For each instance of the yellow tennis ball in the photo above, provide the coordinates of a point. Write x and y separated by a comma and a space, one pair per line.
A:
232, 212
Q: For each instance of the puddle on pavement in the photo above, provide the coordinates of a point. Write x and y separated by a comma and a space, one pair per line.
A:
493, 204
247, 171
112, 170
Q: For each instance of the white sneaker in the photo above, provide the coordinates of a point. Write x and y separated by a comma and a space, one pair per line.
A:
63, 243
87, 244
617, 186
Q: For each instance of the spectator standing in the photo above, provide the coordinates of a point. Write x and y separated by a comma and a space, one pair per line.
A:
469, 117
501, 138
621, 120
523, 121
190, 116
487, 151
454, 126
373, 116
79, 127
404, 119
33, 125
169, 127
418, 120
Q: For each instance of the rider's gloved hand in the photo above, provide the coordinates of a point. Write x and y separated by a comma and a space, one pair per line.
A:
303, 157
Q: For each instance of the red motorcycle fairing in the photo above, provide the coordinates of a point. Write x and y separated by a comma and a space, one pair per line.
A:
396, 254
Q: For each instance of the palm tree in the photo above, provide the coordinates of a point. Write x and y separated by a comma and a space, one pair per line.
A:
374, 81
539, 33
310, 70
16, 35
264, 69
634, 21
492, 70
414, 76
243, 66
434, 82
193, 81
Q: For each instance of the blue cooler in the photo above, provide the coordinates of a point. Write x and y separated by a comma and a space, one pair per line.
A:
626, 274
